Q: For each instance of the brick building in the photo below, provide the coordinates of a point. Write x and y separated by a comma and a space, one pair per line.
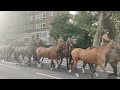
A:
23, 24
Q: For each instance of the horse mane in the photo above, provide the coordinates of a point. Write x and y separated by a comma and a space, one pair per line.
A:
89, 48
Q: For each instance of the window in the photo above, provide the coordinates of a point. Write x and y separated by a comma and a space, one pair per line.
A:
43, 25
38, 17
31, 27
37, 35
40, 26
44, 34
43, 15
50, 25
31, 18
51, 13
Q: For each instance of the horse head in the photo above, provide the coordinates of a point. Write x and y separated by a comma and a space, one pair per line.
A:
62, 45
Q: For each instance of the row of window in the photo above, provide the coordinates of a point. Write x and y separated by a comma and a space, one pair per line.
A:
40, 16
40, 26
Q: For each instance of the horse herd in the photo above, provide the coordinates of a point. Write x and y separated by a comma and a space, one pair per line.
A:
95, 57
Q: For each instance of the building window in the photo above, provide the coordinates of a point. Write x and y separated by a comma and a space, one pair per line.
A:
31, 27
43, 15
38, 17
44, 34
31, 18
37, 35
43, 25
50, 25
40, 26
51, 13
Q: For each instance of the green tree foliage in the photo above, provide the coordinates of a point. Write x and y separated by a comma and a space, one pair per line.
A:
85, 21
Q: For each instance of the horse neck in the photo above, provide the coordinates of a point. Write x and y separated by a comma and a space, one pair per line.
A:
107, 48
58, 48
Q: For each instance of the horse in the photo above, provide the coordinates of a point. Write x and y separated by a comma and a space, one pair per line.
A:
70, 45
51, 53
7, 51
41, 52
27, 51
64, 54
112, 58
92, 56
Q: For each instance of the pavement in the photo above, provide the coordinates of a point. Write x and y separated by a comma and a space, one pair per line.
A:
9, 70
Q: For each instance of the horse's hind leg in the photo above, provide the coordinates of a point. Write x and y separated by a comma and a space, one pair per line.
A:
61, 59
29, 62
103, 68
114, 66
67, 63
75, 66
83, 67
52, 64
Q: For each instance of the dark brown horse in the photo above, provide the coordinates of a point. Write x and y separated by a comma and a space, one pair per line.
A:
27, 51
113, 58
93, 56
51, 53
64, 54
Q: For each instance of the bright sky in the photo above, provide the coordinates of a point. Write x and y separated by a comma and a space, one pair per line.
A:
73, 12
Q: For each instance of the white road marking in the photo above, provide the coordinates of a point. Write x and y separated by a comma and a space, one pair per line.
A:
48, 75
7, 62
9, 66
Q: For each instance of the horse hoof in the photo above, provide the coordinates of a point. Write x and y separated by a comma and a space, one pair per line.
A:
70, 71
97, 75
51, 69
111, 74
83, 70
77, 75
117, 77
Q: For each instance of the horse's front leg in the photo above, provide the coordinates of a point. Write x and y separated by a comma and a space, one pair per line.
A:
114, 66
57, 64
83, 67
67, 63
29, 62
61, 59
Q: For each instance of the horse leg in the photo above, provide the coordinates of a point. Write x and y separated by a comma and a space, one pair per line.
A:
52, 64
61, 59
57, 64
103, 68
75, 66
23, 58
29, 62
67, 63
71, 66
114, 66
83, 67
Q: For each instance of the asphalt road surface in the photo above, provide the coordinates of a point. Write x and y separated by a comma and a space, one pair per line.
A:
9, 70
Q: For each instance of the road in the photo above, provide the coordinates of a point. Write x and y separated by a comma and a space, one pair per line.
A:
9, 70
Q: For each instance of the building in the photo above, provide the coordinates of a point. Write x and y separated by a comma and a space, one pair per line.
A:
27, 23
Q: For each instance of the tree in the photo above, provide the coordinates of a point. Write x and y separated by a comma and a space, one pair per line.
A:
85, 20
62, 27
103, 17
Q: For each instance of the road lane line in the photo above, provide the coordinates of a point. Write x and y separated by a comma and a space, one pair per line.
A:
7, 62
48, 75
9, 66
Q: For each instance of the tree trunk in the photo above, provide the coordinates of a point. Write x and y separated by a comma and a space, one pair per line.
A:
99, 31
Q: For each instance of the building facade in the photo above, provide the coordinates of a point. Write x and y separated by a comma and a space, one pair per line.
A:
27, 23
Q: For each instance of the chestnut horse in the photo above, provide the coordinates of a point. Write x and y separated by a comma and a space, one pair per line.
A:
51, 53
112, 58
92, 56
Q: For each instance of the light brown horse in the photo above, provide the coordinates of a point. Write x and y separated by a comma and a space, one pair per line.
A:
42, 52
51, 53
92, 56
